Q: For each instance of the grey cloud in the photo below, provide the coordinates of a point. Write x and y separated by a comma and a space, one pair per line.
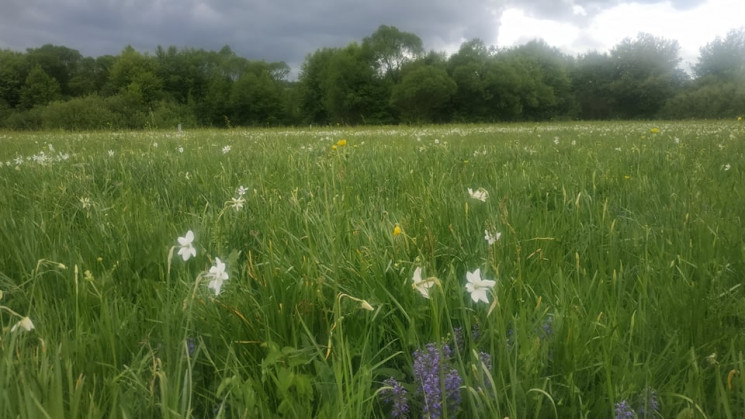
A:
274, 30
564, 9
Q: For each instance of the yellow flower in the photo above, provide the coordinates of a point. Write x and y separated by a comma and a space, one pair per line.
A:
342, 142
627, 177
654, 130
396, 230
333, 147
739, 118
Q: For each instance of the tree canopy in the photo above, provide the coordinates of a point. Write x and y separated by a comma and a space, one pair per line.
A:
387, 78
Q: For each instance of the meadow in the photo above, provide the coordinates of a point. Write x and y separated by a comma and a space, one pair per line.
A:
347, 272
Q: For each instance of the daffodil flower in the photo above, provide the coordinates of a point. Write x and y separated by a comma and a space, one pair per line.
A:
491, 238
478, 287
237, 203
218, 276
481, 194
25, 324
187, 250
421, 285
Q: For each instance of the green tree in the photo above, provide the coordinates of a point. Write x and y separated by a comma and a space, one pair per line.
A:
592, 76
468, 68
60, 63
135, 74
723, 59
390, 49
423, 94
719, 89
311, 87
39, 89
256, 99
647, 75
551, 91
13, 72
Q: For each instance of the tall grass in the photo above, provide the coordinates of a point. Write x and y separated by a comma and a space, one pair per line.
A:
619, 271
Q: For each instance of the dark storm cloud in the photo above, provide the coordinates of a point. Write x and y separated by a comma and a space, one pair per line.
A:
565, 10
274, 30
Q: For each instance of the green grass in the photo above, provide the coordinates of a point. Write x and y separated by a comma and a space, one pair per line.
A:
619, 270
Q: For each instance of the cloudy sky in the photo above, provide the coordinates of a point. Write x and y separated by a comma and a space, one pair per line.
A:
288, 30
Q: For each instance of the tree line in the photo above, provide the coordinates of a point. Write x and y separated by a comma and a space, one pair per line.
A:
387, 78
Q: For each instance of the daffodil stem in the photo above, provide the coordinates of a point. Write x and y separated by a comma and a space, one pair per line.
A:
10, 311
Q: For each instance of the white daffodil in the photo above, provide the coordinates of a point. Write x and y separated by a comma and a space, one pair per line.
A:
218, 276
422, 285
25, 324
481, 194
478, 287
237, 203
187, 250
491, 238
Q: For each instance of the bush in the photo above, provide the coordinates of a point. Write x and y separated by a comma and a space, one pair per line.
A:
23, 120
128, 111
725, 100
169, 115
86, 113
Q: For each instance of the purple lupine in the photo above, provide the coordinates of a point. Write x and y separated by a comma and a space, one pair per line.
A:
649, 405
453, 382
460, 343
547, 328
430, 364
475, 332
486, 360
190, 346
623, 410
395, 394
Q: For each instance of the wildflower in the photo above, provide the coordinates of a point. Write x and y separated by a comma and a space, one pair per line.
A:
187, 250
481, 194
237, 203
242, 190
218, 276
739, 119
654, 130
396, 395
676, 140
478, 287
430, 364
225, 149
333, 147
25, 324
648, 404
342, 142
437, 141
396, 230
111, 153
556, 140
180, 149
85, 202
155, 144
191, 346
420, 285
726, 167
624, 411
491, 238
